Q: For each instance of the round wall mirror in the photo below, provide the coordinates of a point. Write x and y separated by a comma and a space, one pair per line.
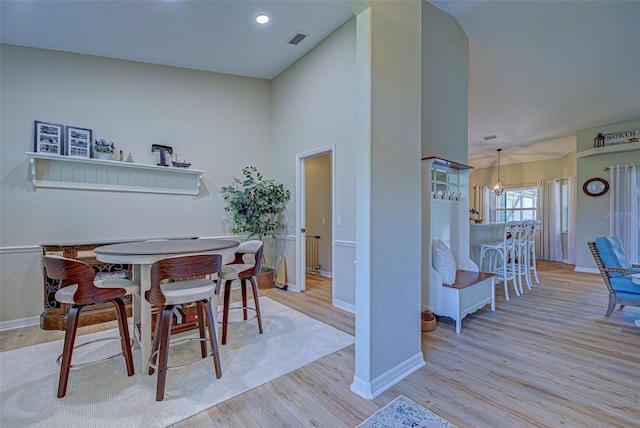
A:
595, 187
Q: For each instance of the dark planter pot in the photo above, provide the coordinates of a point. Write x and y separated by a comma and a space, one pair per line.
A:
265, 279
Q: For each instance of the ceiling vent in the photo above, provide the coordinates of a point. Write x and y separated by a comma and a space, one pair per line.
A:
297, 38
489, 137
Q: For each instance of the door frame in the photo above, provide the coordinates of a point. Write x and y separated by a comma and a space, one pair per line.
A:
301, 214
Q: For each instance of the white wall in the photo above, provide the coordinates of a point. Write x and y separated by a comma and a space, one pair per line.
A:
313, 106
445, 86
526, 172
218, 122
592, 212
388, 196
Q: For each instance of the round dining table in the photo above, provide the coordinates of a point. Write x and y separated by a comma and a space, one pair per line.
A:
141, 255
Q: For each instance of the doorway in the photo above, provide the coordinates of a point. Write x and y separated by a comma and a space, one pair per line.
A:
314, 215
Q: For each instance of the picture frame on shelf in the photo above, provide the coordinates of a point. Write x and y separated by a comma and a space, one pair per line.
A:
78, 142
48, 138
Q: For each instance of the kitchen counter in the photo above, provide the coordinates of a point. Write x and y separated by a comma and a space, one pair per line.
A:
483, 233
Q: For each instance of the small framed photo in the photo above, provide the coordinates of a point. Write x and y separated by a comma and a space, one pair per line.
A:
78, 142
49, 138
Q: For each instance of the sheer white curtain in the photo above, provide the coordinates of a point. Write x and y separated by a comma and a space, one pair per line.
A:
623, 208
573, 204
481, 199
549, 212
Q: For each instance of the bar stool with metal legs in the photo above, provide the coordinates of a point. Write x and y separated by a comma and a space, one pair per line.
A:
536, 225
521, 233
245, 267
177, 281
78, 289
501, 262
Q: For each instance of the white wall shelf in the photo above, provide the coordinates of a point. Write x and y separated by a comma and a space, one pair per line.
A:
66, 172
616, 148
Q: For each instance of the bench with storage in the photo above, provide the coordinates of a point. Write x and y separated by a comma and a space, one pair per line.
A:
470, 292
445, 244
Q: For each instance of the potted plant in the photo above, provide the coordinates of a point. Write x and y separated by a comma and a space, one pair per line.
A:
103, 150
473, 214
256, 206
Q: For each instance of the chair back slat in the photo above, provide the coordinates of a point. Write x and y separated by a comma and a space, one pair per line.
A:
180, 269
72, 272
255, 248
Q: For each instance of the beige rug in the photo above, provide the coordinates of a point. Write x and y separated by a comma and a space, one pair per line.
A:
103, 396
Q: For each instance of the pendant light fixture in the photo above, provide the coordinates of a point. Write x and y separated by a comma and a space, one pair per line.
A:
498, 187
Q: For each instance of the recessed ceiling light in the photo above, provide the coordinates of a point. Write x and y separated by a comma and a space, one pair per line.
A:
262, 19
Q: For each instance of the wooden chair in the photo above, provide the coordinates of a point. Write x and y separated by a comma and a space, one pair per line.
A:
79, 289
616, 271
187, 283
245, 267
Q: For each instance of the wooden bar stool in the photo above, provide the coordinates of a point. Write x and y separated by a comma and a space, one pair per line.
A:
245, 267
176, 281
78, 289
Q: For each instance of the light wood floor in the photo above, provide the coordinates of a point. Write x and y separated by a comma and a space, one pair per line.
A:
546, 359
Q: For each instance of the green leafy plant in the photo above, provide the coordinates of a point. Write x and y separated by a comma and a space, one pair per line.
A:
101, 146
255, 204
473, 211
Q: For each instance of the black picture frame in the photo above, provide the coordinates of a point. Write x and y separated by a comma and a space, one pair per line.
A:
48, 138
78, 142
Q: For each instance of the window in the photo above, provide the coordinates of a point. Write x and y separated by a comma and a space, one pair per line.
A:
514, 205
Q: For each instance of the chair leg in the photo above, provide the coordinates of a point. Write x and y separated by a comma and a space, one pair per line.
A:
254, 286
156, 342
206, 307
535, 269
243, 286
67, 351
225, 310
513, 271
612, 304
201, 327
166, 318
528, 267
125, 342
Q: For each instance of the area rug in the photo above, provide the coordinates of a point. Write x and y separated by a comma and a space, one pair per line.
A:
402, 412
102, 395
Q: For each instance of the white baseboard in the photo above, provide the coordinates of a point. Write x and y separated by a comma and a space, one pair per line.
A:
586, 269
349, 307
385, 381
325, 273
19, 323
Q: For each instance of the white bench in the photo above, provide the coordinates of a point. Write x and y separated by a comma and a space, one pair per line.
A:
470, 292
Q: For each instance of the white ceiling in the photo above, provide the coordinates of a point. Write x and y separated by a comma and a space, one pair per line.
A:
539, 70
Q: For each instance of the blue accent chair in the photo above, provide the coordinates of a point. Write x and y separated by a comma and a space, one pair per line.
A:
616, 270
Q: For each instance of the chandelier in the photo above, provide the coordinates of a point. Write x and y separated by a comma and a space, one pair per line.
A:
498, 187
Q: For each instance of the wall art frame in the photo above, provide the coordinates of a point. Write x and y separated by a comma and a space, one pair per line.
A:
48, 138
79, 142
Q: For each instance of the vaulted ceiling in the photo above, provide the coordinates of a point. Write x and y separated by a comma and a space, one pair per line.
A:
539, 70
